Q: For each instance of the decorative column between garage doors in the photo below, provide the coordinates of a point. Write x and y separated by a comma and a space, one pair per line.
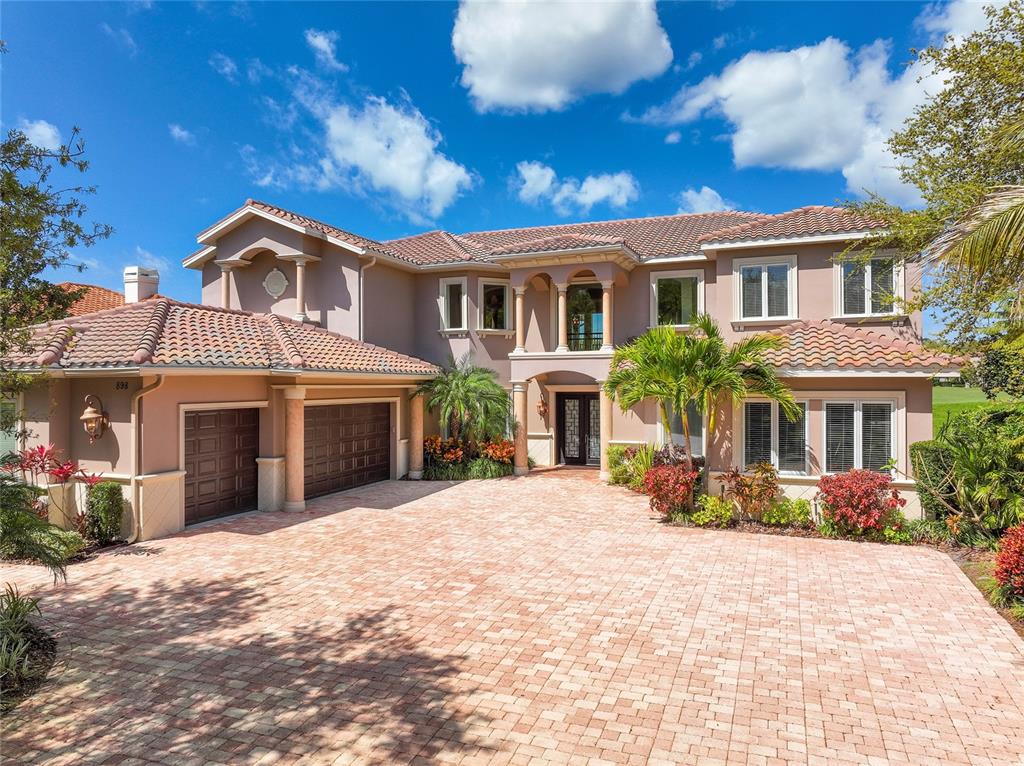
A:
294, 449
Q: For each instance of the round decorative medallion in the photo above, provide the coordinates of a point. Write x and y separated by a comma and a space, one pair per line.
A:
275, 283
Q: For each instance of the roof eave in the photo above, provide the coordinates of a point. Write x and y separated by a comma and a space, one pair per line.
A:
854, 372
209, 236
811, 239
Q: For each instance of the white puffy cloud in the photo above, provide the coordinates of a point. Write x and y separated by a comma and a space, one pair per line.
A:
673, 137
323, 44
225, 66
121, 37
151, 261
822, 107
538, 182
43, 134
703, 200
532, 56
181, 135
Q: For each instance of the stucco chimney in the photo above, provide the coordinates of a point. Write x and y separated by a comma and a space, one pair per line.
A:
140, 283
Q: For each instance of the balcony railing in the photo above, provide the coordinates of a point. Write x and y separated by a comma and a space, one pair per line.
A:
585, 341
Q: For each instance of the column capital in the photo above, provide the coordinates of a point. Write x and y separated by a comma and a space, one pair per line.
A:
607, 284
300, 259
520, 289
228, 265
295, 392
520, 385
562, 286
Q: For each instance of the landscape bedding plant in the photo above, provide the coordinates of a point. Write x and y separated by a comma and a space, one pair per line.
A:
454, 460
859, 501
670, 488
754, 492
713, 511
27, 652
1009, 572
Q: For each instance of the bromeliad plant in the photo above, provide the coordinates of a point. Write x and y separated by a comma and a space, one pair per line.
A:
696, 368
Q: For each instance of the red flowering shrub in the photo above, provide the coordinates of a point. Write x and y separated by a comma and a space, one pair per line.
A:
498, 450
1010, 561
755, 492
858, 501
670, 488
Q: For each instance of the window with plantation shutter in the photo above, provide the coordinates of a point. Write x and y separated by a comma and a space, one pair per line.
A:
868, 287
792, 440
840, 448
876, 435
751, 285
766, 288
757, 433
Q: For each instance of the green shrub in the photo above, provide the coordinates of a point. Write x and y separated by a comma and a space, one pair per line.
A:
828, 528
104, 507
786, 512
15, 611
445, 472
713, 511
895, 530
932, 531
25, 535
485, 468
14, 665
933, 472
618, 465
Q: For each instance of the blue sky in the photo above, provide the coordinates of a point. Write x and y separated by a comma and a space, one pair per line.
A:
391, 118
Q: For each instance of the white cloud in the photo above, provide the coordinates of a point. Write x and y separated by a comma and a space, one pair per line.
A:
704, 200
673, 137
256, 70
151, 261
720, 42
543, 56
538, 182
378, 148
225, 66
121, 37
41, 133
821, 107
958, 18
181, 135
693, 59
323, 45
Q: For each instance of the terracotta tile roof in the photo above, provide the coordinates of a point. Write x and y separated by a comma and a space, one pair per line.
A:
165, 332
434, 247
827, 345
647, 237
802, 222
94, 298
559, 242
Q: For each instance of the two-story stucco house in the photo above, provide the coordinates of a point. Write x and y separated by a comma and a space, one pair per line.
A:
293, 377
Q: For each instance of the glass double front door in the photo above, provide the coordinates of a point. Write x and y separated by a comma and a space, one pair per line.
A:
579, 429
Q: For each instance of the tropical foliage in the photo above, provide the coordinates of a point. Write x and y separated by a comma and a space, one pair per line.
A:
695, 369
454, 460
469, 400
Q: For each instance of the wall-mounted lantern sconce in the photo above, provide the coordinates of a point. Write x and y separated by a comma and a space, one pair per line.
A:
542, 407
94, 419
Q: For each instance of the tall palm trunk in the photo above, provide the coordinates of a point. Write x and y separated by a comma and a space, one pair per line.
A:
667, 425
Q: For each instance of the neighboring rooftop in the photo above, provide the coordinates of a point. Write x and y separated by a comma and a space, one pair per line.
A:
93, 298
653, 237
166, 333
824, 345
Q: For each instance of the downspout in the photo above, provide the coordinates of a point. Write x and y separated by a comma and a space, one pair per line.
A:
363, 267
137, 454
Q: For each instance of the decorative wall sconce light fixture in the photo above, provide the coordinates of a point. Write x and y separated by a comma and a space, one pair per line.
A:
94, 419
542, 407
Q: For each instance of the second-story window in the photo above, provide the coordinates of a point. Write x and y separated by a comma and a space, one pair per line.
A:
452, 302
766, 288
495, 306
677, 297
867, 287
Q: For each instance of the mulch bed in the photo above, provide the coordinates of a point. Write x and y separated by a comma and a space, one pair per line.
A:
42, 654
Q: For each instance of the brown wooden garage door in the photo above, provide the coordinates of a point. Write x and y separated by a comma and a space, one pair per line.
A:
347, 445
220, 462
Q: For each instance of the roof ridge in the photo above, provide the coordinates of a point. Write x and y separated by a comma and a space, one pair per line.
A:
256, 202
285, 340
55, 348
612, 220
151, 334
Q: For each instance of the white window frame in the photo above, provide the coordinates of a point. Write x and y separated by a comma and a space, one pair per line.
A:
738, 264
858, 432
775, 434
657, 276
509, 305
442, 302
839, 287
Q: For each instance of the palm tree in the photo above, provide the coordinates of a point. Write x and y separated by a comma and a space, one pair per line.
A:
469, 399
987, 242
695, 368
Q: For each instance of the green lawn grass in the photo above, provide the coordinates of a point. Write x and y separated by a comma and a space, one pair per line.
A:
952, 400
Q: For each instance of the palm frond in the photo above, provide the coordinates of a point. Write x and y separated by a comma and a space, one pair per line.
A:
990, 237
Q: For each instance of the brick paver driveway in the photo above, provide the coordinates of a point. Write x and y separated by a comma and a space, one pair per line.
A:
541, 619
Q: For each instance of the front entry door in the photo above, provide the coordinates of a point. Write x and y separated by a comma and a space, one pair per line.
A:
579, 429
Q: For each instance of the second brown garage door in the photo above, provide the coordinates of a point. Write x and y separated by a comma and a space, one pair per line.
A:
347, 445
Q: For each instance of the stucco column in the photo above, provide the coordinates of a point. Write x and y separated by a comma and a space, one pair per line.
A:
606, 318
226, 267
606, 428
300, 290
294, 449
522, 463
416, 437
563, 318
520, 320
